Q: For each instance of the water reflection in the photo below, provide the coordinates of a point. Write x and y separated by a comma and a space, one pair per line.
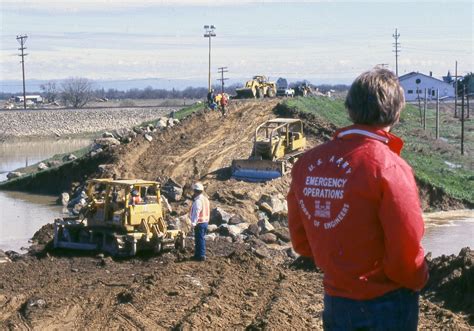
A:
19, 154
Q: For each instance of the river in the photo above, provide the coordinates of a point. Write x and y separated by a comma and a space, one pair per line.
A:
21, 214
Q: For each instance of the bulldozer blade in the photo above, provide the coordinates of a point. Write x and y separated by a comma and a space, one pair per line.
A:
256, 170
244, 93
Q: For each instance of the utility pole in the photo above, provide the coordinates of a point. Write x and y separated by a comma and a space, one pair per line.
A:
222, 70
396, 44
22, 40
463, 93
209, 33
456, 90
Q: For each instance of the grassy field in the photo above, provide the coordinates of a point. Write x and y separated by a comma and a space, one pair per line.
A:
437, 162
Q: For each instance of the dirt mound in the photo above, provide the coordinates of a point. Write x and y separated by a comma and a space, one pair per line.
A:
451, 282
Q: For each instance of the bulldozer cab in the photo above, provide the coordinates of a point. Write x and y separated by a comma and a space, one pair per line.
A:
111, 203
278, 137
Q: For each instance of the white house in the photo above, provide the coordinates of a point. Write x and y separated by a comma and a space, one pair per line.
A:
415, 84
32, 98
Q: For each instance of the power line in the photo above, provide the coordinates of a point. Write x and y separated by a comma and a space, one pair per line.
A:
396, 44
222, 70
22, 40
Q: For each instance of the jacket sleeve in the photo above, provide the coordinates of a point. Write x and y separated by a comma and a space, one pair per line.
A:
403, 226
295, 225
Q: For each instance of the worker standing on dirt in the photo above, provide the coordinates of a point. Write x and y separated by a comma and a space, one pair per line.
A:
353, 207
223, 103
199, 219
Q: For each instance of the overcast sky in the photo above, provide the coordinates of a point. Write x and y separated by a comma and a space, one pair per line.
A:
323, 41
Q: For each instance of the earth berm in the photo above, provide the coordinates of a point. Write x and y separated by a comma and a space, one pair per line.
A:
243, 284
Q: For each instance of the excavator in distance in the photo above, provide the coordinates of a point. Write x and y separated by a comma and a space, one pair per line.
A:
277, 144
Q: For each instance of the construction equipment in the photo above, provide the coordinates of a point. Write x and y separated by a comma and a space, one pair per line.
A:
117, 222
303, 90
277, 144
257, 87
283, 88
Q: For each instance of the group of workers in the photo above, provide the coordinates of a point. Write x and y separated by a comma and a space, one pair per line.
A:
217, 102
366, 240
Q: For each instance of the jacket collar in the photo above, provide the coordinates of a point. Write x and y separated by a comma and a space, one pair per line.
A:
392, 141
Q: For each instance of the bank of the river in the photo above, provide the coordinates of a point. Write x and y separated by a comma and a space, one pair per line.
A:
31, 124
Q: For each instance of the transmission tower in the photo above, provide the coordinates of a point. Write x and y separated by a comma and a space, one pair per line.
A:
396, 44
222, 70
22, 40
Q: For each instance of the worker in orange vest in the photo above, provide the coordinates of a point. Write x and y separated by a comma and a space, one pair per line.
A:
223, 103
199, 219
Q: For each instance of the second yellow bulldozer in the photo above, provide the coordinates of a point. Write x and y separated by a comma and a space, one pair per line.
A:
258, 87
277, 144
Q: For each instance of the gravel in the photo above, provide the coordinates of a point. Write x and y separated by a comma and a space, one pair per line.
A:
21, 123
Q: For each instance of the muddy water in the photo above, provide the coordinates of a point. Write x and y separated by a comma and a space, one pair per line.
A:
448, 232
22, 214
19, 154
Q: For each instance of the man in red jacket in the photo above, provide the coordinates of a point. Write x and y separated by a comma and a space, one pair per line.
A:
353, 207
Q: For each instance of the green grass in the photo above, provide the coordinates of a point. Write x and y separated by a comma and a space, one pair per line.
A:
422, 151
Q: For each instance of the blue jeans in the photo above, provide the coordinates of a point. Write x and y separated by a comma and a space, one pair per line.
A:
396, 310
200, 231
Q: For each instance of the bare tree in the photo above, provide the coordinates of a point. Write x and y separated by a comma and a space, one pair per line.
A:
76, 92
50, 91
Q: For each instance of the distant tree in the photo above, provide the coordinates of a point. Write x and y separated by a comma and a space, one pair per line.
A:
468, 82
76, 92
49, 91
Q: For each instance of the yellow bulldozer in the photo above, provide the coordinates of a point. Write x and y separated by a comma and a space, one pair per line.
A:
121, 217
277, 144
257, 87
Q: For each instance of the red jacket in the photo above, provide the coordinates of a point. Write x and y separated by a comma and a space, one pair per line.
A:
353, 206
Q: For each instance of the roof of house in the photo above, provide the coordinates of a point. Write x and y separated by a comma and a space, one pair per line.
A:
411, 74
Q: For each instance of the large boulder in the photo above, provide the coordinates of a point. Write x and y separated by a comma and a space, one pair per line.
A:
14, 174
220, 216
283, 234
107, 135
54, 163
279, 219
148, 137
236, 219
161, 123
268, 238
272, 203
42, 166
212, 228
69, 157
265, 226
64, 198
106, 142
172, 190
253, 229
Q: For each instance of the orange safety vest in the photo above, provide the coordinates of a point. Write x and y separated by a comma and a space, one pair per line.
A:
204, 214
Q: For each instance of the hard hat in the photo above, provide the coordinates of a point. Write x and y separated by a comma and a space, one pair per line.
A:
198, 186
